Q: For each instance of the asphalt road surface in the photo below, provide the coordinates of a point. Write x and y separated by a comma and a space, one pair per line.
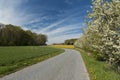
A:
66, 66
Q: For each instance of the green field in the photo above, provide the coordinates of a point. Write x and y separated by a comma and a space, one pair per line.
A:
98, 70
15, 58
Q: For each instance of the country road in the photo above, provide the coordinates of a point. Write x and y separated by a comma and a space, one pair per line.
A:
66, 66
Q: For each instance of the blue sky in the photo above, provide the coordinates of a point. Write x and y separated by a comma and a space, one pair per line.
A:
58, 19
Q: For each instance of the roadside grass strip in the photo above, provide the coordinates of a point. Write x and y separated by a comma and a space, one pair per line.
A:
98, 70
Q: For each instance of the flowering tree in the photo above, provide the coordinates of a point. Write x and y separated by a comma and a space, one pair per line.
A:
103, 32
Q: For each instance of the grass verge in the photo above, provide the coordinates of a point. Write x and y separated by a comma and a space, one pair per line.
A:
16, 58
98, 70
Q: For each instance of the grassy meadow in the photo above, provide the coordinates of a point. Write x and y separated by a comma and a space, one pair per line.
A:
63, 46
15, 58
98, 70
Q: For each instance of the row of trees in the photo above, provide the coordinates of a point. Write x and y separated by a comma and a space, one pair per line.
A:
70, 41
12, 35
102, 37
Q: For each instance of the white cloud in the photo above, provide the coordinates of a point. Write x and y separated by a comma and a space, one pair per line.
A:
9, 13
63, 29
52, 26
58, 35
36, 20
44, 30
68, 2
25, 28
62, 38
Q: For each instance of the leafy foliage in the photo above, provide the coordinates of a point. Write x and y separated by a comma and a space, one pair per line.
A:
12, 35
70, 41
102, 36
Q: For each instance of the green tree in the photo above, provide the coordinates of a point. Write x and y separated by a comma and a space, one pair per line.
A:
41, 39
70, 41
12, 35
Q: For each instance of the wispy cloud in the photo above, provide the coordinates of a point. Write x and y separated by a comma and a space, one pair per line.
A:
37, 20
56, 21
68, 2
52, 25
61, 33
62, 29
9, 13
62, 38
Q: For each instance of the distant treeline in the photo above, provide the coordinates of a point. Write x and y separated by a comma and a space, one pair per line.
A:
11, 35
70, 41
67, 42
